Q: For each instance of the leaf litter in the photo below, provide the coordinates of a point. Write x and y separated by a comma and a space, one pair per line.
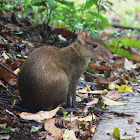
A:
79, 124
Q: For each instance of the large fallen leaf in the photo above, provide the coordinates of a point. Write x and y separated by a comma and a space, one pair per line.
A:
40, 116
50, 127
111, 102
69, 135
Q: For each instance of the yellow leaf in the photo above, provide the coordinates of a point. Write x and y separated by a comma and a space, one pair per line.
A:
117, 86
111, 86
124, 88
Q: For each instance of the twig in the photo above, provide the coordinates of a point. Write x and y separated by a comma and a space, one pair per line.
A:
8, 70
126, 27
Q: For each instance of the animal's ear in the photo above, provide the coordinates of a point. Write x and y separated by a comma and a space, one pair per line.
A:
82, 37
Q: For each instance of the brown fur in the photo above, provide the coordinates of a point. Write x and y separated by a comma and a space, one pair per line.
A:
49, 75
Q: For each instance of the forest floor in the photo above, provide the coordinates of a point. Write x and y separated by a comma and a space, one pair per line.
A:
102, 109
126, 118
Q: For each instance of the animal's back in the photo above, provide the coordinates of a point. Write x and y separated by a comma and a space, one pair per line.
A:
44, 80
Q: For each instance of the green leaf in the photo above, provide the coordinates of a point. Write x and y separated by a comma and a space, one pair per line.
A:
67, 3
113, 46
42, 3
108, 6
120, 51
51, 4
64, 112
90, 3
130, 42
98, 16
78, 26
87, 26
93, 33
116, 133
102, 8
90, 18
6, 130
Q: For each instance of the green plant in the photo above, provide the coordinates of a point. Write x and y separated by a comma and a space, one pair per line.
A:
64, 13
64, 112
116, 45
82, 16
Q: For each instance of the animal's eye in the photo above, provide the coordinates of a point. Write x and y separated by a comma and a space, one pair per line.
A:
94, 45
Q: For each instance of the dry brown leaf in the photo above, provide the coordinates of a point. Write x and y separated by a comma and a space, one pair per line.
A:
137, 69
90, 77
65, 33
73, 125
90, 104
83, 110
102, 82
40, 116
50, 127
93, 102
119, 63
136, 58
116, 80
98, 67
6, 74
114, 95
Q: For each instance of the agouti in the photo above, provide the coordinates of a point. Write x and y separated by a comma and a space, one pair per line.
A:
49, 75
